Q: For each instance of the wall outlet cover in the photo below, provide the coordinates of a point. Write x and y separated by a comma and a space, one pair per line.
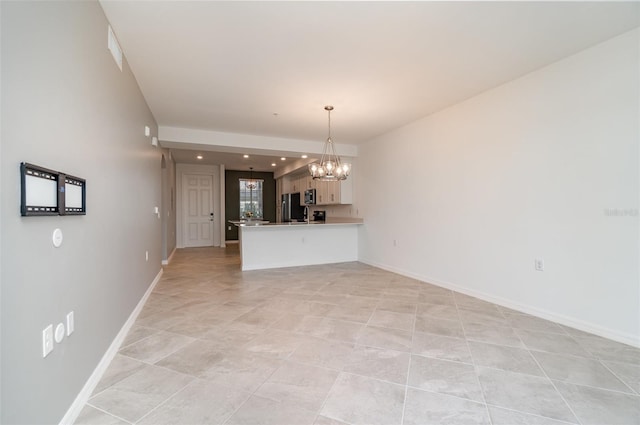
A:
47, 340
59, 335
70, 323
57, 238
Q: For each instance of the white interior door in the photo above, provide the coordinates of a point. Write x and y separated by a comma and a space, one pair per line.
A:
197, 210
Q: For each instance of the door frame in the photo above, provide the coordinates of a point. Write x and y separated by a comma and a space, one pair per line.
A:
208, 170
203, 218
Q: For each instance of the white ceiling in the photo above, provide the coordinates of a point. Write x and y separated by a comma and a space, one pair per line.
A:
235, 161
229, 66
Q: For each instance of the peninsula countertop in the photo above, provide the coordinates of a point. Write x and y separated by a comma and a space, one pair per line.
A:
272, 245
331, 221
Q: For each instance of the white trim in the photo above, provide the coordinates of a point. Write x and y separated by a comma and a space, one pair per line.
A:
612, 334
168, 260
222, 203
207, 170
218, 141
78, 404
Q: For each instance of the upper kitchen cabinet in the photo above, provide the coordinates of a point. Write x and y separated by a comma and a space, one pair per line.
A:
285, 185
330, 193
309, 182
327, 193
298, 184
305, 182
294, 185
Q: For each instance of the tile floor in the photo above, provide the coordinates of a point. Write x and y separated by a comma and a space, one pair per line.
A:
351, 344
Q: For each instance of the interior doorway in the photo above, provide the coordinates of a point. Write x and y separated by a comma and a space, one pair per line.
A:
197, 210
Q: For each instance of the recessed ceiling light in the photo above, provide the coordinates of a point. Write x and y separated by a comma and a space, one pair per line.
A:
283, 159
273, 164
199, 156
304, 156
245, 155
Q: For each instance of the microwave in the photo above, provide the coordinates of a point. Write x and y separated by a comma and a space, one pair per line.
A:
310, 197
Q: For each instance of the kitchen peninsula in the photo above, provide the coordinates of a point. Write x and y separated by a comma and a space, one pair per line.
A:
273, 245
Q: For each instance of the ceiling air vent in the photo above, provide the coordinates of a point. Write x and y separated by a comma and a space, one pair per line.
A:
114, 48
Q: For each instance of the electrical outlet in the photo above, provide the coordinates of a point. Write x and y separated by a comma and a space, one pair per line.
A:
539, 264
59, 334
146, 255
70, 323
47, 340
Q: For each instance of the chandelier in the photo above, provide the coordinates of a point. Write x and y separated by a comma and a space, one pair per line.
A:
251, 183
330, 167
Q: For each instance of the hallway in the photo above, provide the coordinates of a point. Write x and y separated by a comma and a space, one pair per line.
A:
350, 344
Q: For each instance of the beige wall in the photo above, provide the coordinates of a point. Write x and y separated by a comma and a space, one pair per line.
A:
67, 106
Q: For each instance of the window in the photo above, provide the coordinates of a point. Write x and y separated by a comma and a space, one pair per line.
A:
251, 198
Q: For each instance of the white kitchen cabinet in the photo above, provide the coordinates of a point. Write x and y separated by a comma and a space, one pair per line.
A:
327, 193
346, 192
302, 185
310, 182
321, 193
286, 185
330, 193
333, 192
302, 181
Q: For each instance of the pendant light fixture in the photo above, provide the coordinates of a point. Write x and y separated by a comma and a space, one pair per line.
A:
251, 183
330, 168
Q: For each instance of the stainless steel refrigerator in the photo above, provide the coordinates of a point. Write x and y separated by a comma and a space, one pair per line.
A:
291, 208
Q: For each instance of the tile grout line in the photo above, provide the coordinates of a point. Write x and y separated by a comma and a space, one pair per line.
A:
634, 392
319, 413
260, 291
165, 401
169, 354
251, 394
554, 386
531, 414
107, 413
406, 382
475, 368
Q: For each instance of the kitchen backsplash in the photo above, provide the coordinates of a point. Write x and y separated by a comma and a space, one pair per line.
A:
338, 210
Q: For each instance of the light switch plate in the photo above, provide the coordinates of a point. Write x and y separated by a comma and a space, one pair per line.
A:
70, 323
47, 340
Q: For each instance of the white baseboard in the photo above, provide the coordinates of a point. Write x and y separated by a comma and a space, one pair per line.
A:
168, 260
612, 334
80, 401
